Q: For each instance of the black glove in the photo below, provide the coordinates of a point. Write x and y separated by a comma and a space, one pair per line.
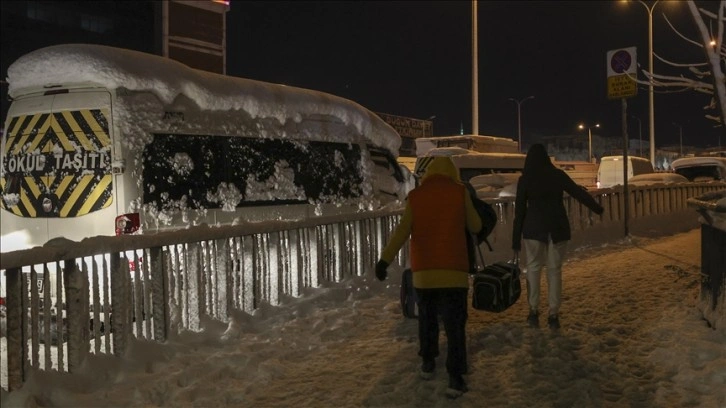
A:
381, 270
599, 210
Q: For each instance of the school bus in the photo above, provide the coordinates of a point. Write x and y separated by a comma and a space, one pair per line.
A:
102, 141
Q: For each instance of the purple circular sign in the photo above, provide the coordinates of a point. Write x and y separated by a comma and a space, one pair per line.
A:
621, 61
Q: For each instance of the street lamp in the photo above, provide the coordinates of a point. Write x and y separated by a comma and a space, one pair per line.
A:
519, 116
640, 137
680, 136
589, 139
651, 110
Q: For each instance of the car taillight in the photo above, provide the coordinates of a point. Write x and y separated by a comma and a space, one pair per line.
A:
127, 223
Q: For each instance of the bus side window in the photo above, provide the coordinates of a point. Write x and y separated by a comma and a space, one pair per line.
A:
179, 170
336, 172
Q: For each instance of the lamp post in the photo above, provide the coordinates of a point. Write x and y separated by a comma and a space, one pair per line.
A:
519, 116
651, 110
431, 128
680, 136
589, 139
640, 137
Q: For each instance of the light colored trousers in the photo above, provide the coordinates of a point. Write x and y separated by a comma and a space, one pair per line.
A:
540, 255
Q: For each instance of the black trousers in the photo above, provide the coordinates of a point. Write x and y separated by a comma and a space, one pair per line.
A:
451, 304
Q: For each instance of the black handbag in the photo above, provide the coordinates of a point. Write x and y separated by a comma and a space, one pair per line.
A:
496, 286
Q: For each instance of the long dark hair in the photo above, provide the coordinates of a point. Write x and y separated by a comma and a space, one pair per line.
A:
537, 159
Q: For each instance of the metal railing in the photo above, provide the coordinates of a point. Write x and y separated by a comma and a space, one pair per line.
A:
94, 296
145, 286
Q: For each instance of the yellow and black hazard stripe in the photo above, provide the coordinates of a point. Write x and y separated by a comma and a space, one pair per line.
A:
46, 164
421, 164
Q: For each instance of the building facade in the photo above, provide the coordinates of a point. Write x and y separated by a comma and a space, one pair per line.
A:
192, 32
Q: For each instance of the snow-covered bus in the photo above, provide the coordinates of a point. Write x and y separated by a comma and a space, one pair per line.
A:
103, 141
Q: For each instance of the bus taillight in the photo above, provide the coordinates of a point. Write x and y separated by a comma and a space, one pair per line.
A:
127, 223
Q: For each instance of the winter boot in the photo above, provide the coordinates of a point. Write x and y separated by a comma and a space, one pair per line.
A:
533, 319
457, 386
553, 321
427, 369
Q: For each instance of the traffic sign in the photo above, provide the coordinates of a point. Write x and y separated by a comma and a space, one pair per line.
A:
622, 73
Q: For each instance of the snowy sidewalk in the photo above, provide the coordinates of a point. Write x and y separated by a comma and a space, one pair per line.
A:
630, 336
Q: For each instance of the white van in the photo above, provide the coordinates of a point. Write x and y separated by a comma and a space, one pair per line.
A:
103, 141
610, 171
701, 168
472, 164
477, 143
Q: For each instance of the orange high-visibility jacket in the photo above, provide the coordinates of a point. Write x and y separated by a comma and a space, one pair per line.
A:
437, 215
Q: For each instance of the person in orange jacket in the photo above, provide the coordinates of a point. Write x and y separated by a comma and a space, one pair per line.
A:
437, 215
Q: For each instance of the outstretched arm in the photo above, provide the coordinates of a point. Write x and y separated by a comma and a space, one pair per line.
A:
581, 195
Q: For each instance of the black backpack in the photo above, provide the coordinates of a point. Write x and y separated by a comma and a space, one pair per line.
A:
486, 212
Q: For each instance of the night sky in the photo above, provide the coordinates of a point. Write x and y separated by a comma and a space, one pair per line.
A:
414, 59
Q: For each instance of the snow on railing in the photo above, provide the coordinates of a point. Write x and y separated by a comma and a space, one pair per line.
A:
113, 289
94, 296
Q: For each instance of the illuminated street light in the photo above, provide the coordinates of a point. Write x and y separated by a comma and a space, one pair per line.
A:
589, 138
519, 117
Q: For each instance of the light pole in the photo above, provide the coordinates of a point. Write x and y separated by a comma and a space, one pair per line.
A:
474, 68
519, 116
431, 127
589, 139
680, 136
640, 137
651, 110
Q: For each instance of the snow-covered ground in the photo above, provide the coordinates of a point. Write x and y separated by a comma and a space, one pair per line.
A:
631, 336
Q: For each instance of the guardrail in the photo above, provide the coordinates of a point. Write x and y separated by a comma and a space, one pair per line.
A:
108, 290
145, 286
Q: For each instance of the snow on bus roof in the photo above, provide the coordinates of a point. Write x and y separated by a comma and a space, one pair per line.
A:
113, 68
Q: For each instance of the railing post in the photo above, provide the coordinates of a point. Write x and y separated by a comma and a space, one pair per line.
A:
160, 294
15, 341
119, 302
296, 269
76, 287
223, 278
194, 295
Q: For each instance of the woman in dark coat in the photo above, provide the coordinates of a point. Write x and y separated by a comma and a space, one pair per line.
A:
540, 220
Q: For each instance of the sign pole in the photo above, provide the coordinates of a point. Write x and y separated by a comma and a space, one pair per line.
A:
621, 81
626, 193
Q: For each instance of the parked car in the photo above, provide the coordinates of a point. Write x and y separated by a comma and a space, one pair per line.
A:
656, 178
701, 168
495, 185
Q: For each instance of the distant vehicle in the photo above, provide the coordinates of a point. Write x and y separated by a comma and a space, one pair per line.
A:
472, 164
711, 168
649, 179
581, 172
610, 171
408, 162
496, 185
476, 143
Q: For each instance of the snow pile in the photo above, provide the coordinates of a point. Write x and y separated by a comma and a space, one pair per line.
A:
171, 81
